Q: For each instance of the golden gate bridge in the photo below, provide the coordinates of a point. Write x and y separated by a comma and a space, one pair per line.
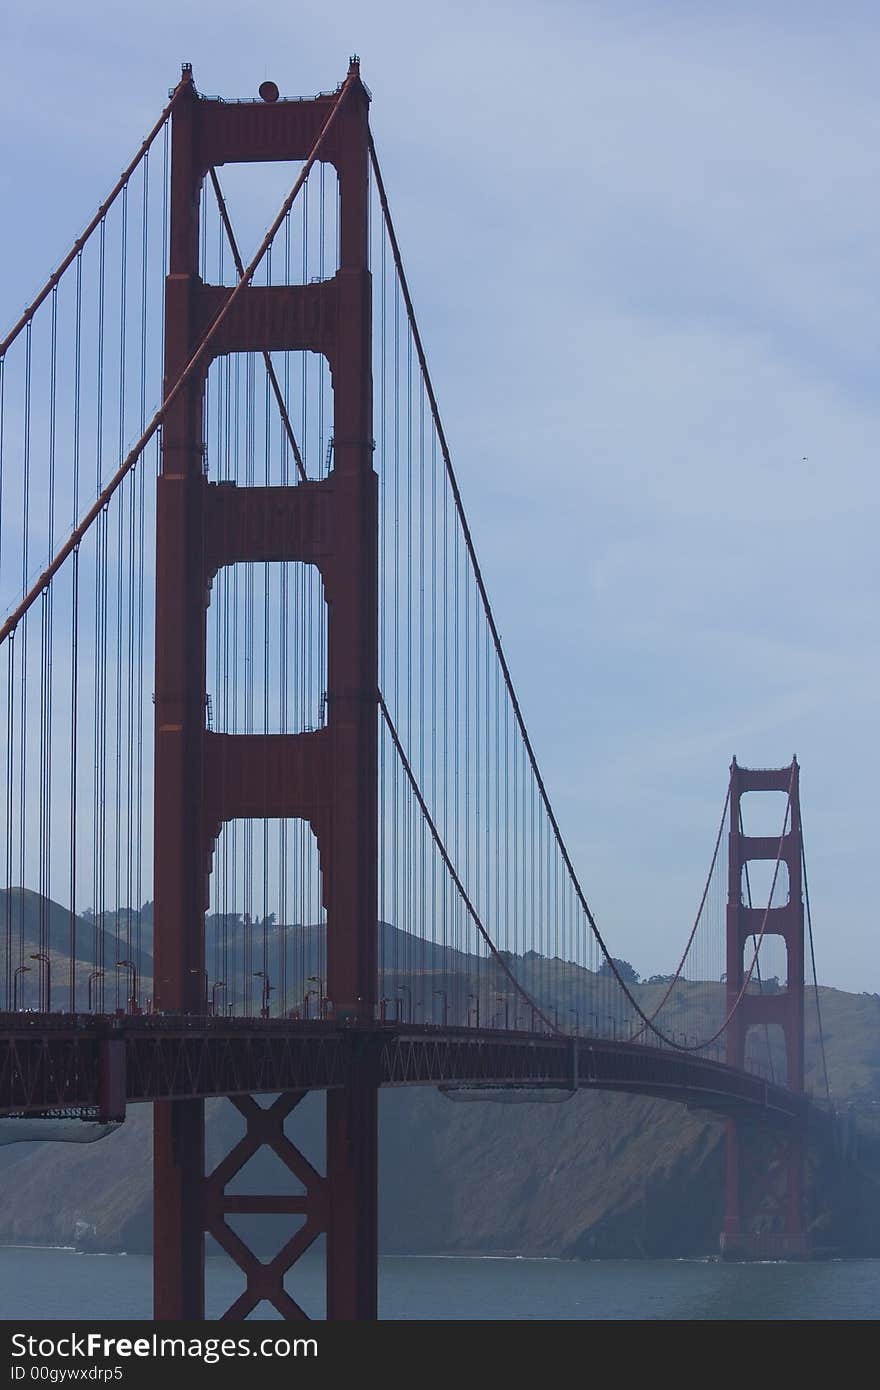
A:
312, 832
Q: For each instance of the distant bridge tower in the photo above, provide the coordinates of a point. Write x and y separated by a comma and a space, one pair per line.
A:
327, 777
772, 1227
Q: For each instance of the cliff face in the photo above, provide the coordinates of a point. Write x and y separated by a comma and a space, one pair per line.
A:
597, 1176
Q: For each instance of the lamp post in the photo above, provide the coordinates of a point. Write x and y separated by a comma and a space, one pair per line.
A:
200, 970
43, 958
133, 999
319, 981
95, 975
218, 984
408, 989
267, 990
19, 970
476, 999
577, 1022
499, 1000
442, 993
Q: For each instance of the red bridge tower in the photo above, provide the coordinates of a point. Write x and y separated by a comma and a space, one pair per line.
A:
327, 777
773, 1227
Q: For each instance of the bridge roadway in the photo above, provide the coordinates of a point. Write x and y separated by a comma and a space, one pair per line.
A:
88, 1065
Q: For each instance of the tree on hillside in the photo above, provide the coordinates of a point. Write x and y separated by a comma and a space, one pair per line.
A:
624, 970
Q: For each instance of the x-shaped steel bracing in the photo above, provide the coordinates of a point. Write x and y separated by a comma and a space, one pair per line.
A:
265, 1281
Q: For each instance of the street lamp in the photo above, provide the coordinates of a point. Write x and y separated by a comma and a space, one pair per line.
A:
267, 990
20, 970
218, 984
442, 993
476, 999
43, 958
133, 1000
502, 999
319, 981
408, 989
200, 970
95, 975
577, 1022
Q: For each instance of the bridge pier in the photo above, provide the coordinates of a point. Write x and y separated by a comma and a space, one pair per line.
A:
764, 1213
178, 1232
352, 1179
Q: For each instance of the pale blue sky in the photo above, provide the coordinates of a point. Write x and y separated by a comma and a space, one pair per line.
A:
642, 241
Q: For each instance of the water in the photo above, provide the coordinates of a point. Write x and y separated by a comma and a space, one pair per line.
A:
43, 1284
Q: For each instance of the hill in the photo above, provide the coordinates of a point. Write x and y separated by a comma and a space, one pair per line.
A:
598, 1175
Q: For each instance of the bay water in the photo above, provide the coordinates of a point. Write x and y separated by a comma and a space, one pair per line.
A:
65, 1284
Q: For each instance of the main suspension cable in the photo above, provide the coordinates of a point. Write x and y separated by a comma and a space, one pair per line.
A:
98, 218
496, 639
183, 379
444, 855
675, 977
267, 358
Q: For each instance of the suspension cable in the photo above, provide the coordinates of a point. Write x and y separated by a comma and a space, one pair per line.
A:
386, 715
99, 216
267, 358
674, 980
183, 379
496, 639
435, 835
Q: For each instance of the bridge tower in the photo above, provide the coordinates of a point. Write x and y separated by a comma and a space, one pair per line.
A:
327, 777
774, 1228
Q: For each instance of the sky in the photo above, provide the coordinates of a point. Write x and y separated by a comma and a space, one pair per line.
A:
642, 243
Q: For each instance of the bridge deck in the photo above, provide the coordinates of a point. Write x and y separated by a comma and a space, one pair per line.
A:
78, 1063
